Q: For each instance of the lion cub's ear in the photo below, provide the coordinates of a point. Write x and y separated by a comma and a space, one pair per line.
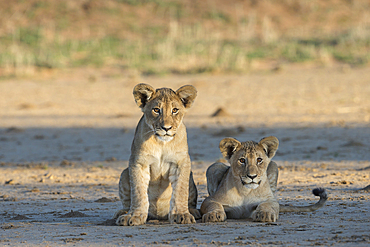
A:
270, 145
228, 146
187, 95
142, 94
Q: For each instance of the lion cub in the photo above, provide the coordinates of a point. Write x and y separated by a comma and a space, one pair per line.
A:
245, 189
158, 181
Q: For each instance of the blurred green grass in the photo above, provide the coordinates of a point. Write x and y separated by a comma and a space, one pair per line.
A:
174, 46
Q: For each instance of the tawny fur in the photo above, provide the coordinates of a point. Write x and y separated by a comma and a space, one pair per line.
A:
158, 182
245, 189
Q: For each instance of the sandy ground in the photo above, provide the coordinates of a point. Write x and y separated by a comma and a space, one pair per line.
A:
64, 141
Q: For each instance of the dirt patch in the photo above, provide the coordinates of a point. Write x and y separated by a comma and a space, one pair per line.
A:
73, 214
104, 199
8, 198
71, 240
20, 217
367, 188
9, 226
221, 112
109, 222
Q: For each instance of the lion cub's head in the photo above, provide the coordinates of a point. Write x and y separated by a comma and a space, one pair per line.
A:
164, 108
249, 160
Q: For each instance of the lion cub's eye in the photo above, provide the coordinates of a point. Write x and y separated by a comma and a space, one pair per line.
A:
242, 160
259, 160
156, 110
175, 110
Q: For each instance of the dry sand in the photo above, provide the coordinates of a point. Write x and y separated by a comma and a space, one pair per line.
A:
65, 140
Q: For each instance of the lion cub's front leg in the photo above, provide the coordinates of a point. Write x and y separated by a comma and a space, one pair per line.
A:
138, 213
266, 212
179, 178
213, 211
269, 211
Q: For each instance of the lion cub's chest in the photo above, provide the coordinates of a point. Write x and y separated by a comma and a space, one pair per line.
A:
162, 158
244, 201
163, 163
240, 206
242, 209
160, 169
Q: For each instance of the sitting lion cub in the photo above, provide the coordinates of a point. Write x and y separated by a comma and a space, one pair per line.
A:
158, 180
245, 189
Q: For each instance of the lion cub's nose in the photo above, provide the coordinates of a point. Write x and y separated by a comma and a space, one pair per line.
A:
252, 176
166, 128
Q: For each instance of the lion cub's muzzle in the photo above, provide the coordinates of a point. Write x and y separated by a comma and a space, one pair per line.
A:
250, 182
165, 134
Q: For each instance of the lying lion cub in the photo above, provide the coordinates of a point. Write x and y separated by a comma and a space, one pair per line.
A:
158, 180
245, 189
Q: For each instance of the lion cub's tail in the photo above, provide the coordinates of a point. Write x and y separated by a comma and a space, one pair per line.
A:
317, 192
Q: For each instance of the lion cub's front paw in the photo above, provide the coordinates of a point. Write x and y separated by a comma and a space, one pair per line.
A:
264, 216
131, 220
186, 218
214, 216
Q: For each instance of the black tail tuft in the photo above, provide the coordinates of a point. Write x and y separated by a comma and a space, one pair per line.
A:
317, 192
320, 192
